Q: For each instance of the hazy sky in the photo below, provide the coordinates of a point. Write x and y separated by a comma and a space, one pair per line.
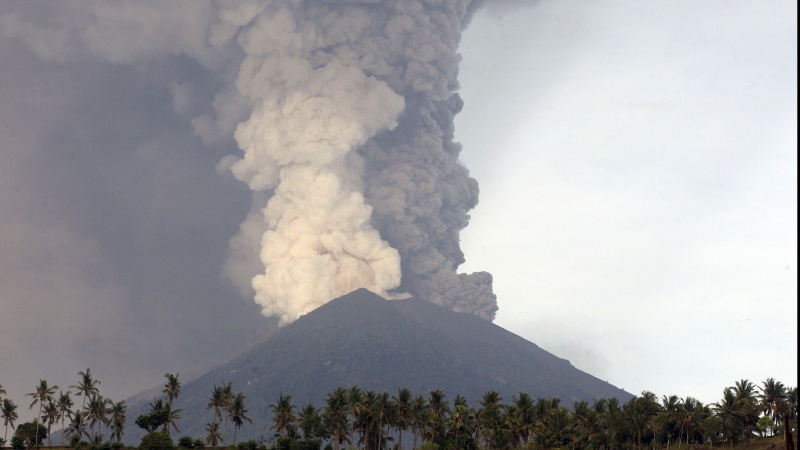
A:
638, 170
637, 165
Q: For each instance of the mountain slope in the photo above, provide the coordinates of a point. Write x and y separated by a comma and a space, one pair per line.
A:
363, 340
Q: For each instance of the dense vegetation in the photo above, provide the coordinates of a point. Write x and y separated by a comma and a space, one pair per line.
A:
353, 418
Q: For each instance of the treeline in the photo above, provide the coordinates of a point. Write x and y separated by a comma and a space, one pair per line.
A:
352, 418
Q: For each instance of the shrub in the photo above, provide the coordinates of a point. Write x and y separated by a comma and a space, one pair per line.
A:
248, 445
103, 446
117, 445
185, 442
157, 440
17, 442
199, 443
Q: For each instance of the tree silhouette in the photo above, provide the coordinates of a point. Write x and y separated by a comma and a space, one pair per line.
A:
8, 411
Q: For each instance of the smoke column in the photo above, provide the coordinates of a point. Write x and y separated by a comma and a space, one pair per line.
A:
352, 131
343, 112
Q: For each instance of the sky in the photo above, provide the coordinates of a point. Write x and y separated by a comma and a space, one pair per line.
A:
638, 188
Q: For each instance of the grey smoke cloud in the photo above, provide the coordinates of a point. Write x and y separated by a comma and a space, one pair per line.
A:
343, 114
352, 130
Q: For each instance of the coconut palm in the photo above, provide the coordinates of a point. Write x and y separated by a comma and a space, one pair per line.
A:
64, 404
587, 425
490, 416
96, 412
525, 417
86, 387
559, 426
381, 412
364, 418
734, 411
171, 418
308, 420
217, 402
213, 437
172, 389
117, 420
8, 411
77, 425
51, 415
402, 404
238, 413
418, 409
461, 421
335, 414
227, 399
637, 417
283, 417
41, 395
772, 399
354, 398
438, 406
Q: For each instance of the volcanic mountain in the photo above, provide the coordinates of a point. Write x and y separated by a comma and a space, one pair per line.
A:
363, 340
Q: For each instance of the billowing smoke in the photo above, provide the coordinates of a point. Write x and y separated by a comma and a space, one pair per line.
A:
352, 131
343, 112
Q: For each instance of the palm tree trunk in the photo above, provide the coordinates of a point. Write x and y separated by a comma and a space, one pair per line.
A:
225, 433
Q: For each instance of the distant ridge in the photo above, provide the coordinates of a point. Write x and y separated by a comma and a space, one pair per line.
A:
364, 340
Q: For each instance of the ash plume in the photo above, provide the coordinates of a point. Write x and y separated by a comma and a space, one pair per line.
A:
343, 114
352, 130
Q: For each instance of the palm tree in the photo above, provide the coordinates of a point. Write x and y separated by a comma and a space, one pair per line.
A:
51, 416
8, 411
335, 413
587, 425
96, 412
172, 388
694, 413
403, 406
489, 416
117, 420
238, 413
227, 400
172, 418
42, 394
283, 414
364, 418
87, 386
747, 398
418, 409
381, 410
438, 406
671, 409
354, 398
64, 409
77, 425
525, 417
217, 402
461, 421
308, 420
637, 417
213, 437
772, 399
559, 425
734, 412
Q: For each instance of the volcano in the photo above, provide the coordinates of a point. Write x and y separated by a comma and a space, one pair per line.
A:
364, 340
